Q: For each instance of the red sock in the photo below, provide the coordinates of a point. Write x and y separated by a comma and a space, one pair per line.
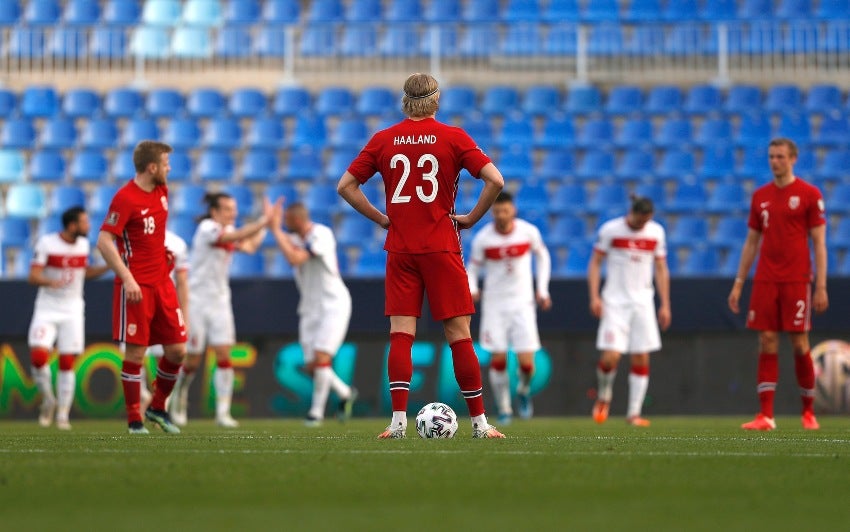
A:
224, 364
768, 373
805, 369
66, 362
640, 370
604, 367
131, 381
166, 375
468, 375
499, 365
527, 369
400, 369
39, 356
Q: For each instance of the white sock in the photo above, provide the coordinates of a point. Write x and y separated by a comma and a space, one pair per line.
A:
322, 378
637, 392
65, 387
342, 390
399, 419
223, 382
501, 390
42, 377
145, 393
524, 385
605, 388
479, 421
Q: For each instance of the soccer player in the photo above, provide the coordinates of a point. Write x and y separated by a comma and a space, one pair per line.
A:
508, 313
211, 322
420, 161
145, 309
324, 308
635, 249
784, 215
58, 268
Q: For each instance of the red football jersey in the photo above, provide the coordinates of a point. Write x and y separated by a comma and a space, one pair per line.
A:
420, 162
784, 217
138, 219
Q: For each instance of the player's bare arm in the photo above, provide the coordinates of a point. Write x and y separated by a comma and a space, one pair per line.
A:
820, 302
594, 276
107, 248
748, 256
662, 286
246, 236
544, 272
93, 272
181, 278
349, 188
37, 278
493, 184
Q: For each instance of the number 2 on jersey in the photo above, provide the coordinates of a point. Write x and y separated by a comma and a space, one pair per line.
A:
431, 176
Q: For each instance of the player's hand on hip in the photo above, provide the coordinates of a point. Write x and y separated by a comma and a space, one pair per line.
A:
385, 221
463, 220
821, 300
664, 318
132, 291
596, 307
544, 302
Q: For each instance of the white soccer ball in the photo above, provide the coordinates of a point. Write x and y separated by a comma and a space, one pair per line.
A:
436, 420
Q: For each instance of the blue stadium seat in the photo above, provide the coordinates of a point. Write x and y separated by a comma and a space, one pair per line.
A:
81, 12
47, 166
68, 43
150, 42
10, 12
206, 103
795, 125
161, 12
557, 11
634, 133
339, 161
309, 131
202, 13
583, 100
595, 165
606, 39
321, 198
25, 200
713, 131
646, 41
687, 39
281, 11
556, 165
675, 165
840, 236
515, 164
499, 100
290, 101
516, 129
359, 41
89, 165
782, 98
835, 166
538, 100
754, 130
52, 224
636, 165
532, 198
442, 11
719, 10
796, 9
26, 42
562, 39
12, 166
354, 230
522, 39
183, 226
832, 9
121, 13
673, 133
214, 165
39, 102
701, 261
480, 129
703, 99
688, 231
803, 37
349, 133
834, 131
233, 42
99, 133
247, 12
718, 162
247, 266
182, 133
63, 197
401, 41
567, 229
680, 11
522, 11
568, 200
108, 43
318, 40
643, 11
806, 164
688, 198
608, 196
100, 199
188, 200
364, 11
279, 267
164, 103
558, 131
743, 99
222, 133
259, 165
123, 103
480, 11
334, 101
265, 132
729, 232
282, 190
727, 198
8, 103
601, 11
755, 9
80, 103
189, 42
370, 263
375, 101
575, 265
838, 200
122, 168
246, 103
305, 164
624, 99
753, 163
596, 133
331, 10
478, 41
243, 196
42, 12
404, 11
15, 232
17, 133
181, 167
457, 100
58, 134
655, 192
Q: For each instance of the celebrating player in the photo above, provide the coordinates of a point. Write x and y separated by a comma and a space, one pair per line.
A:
211, 322
145, 309
420, 160
59, 266
508, 314
324, 308
634, 247
784, 215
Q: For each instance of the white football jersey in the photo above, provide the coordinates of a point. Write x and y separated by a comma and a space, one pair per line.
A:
507, 262
65, 261
209, 273
318, 279
631, 258
178, 247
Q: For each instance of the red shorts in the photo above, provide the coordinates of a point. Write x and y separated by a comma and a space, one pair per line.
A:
780, 307
440, 275
156, 319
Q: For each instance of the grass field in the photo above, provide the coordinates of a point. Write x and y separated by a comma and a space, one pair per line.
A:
694, 473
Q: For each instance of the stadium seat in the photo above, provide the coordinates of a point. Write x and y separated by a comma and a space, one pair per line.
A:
260, 166
58, 134
823, 99
806, 164
332, 101
188, 200
374, 101
718, 10
595, 165
265, 132
795, 125
597, 133
290, 101
636, 165
123, 103
643, 11
202, 13
247, 266
655, 192
42, 12
566, 229
477, 11
309, 130
561, 40
834, 167
81, 13
727, 198
14, 232
363, 11
122, 168
796, 9
354, 230
755, 9
281, 11
624, 99
68, 43
164, 103
840, 236
339, 161
39, 102
753, 130
12, 166
80, 103
753, 163
687, 39
17, 133
150, 42
457, 100
538, 100
782, 98
161, 12
557, 164
516, 130
8, 103
645, 41
234, 42
321, 198
404, 11
834, 131
401, 41
182, 133
137, 130
53, 223
47, 166
246, 103
99, 133
729, 232
703, 99
521, 39
282, 190
673, 133
370, 263
214, 165
713, 131
206, 103
305, 164
244, 198
359, 41
675, 165
832, 9
318, 40
606, 197
181, 167
575, 265
601, 11
558, 131
480, 129
10, 12
222, 134
108, 43
442, 11
688, 198
25, 200
100, 199
248, 12
701, 261
583, 100
269, 41
349, 133
189, 42
680, 11
89, 165
606, 39
567, 200
121, 13
688, 231
26, 43
718, 162
279, 267
478, 40
515, 163
742, 99
183, 226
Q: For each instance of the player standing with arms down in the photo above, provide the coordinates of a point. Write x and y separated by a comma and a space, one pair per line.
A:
145, 310
324, 308
784, 215
508, 313
635, 248
58, 268
211, 322
420, 161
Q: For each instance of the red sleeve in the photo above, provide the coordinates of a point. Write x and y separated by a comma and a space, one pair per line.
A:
365, 165
754, 221
817, 210
469, 154
118, 215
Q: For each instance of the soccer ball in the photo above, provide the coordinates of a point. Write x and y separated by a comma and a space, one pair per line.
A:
436, 420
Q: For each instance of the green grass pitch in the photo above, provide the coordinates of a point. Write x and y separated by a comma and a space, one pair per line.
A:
695, 473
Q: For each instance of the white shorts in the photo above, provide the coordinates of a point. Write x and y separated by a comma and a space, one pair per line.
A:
629, 328
323, 332
210, 325
505, 324
64, 329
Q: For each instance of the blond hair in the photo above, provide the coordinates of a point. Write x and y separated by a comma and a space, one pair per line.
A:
149, 152
783, 141
421, 96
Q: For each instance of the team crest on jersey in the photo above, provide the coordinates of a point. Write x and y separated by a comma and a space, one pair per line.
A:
112, 218
131, 329
794, 202
164, 201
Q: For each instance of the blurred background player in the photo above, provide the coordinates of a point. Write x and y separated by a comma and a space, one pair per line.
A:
59, 267
634, 247
145, 310
211, 323
420, 160
180, 277
324, 308
508, 301
784, 215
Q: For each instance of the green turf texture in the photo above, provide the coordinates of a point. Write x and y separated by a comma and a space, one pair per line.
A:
695, 473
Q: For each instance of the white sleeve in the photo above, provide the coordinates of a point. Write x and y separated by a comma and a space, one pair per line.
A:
476, 259
208, 233
39, 253
181, 254
661, 248
544, 262
321, 243
603, 240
